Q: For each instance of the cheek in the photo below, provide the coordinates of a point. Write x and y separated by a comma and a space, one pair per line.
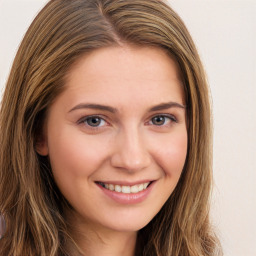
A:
74, 160
171, 153
75, 156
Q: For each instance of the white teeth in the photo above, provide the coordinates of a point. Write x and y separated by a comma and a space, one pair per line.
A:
141, 187
118, 188
126, 189
134, 189
110, 186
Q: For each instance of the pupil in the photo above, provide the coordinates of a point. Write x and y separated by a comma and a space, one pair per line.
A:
94, 121
159, 120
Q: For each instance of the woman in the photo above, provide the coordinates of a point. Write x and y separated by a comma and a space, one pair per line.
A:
105, 135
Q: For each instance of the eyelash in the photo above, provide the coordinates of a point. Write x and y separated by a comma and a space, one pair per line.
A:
84, 120
166, 116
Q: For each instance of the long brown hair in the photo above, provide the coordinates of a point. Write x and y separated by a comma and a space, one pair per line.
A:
29, 199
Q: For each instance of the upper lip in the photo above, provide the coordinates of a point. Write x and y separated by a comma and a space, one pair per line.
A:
125, 183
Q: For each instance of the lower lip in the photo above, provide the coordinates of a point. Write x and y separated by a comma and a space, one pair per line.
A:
131, 198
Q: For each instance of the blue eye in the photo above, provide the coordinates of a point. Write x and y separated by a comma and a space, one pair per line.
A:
94, 121
161, 120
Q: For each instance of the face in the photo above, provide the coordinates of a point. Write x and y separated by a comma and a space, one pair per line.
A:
117, 137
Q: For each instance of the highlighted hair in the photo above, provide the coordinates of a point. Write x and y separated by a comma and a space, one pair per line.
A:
29, 199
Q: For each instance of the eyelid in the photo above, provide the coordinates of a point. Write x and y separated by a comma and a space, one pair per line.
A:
84, 118
172, 118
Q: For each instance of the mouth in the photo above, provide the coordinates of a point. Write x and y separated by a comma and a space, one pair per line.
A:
125, 189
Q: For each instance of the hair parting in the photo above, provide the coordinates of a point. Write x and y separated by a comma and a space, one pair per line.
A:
59, 36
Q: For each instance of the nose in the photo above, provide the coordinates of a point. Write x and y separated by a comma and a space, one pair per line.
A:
130, 153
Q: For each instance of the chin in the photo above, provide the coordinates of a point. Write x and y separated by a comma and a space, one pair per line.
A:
128, 223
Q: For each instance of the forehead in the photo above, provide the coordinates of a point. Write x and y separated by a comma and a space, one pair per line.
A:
125, 74
123, 58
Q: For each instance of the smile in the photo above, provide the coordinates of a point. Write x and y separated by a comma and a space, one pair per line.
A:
125, 189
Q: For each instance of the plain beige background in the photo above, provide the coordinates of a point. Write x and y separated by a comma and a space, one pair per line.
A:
225, 34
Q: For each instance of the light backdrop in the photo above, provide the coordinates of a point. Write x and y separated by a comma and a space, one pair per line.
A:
225, 34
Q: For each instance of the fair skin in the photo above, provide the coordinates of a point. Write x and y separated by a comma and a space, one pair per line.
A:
120, 124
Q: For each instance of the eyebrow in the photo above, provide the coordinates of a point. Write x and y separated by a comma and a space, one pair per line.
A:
161, 106
94, 106
167, 105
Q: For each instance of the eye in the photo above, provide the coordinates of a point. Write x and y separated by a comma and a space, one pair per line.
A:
93, 121
161, 120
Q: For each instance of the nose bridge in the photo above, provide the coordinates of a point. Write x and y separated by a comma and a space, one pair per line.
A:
131, 152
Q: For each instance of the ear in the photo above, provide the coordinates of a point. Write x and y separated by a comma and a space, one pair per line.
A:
42, 145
